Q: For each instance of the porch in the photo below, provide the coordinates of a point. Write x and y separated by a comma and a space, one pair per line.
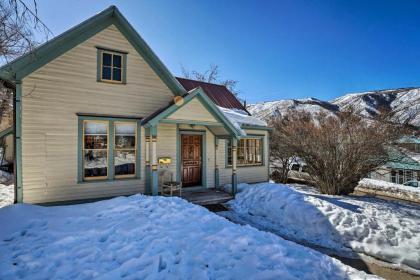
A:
205, 196
182, 139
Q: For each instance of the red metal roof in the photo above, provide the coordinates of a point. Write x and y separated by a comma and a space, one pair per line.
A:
219, 94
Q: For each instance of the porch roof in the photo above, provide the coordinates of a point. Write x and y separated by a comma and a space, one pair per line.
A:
219, 125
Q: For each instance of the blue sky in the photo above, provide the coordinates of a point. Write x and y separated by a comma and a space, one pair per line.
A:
275, 49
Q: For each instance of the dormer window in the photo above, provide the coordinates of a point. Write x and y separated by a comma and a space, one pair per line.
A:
111, 66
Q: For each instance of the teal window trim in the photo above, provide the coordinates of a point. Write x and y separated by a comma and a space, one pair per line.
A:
123, 55
203, 134
253, 136
111, 121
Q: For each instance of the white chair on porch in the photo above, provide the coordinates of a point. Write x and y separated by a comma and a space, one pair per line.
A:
168, 185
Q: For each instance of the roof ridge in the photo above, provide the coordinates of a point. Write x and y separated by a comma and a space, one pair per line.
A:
201, 81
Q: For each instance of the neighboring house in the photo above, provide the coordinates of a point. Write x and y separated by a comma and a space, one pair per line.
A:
6, 139
403, 164
99, 115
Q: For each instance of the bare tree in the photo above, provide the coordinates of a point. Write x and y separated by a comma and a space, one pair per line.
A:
211, 76
19, 24
281, 155
338, 150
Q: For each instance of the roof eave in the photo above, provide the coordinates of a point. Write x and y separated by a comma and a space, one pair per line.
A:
199, 93
28, 63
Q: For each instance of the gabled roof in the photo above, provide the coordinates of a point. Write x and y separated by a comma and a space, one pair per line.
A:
172, 107
26, 64
399, 160
219, 94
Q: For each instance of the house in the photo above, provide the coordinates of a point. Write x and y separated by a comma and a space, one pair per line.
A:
404, 162
97, 114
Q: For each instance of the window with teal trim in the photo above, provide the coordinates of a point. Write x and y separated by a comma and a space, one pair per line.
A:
249, 152
109, 149
112, 66
95, 149
125, 149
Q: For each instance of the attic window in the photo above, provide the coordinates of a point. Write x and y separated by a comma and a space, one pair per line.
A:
111, 66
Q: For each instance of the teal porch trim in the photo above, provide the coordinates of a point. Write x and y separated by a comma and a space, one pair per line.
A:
148, 167
178, 154
234, 176
216, 169
191, 122
18, 143
138, 148
111, 142
206, 102
154, 179
203, 153
26, 64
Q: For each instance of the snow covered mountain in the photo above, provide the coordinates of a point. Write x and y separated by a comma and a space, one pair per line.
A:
403, 103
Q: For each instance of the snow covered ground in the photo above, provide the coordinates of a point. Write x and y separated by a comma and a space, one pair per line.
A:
6, 195
385, 230
141, 237
389, 189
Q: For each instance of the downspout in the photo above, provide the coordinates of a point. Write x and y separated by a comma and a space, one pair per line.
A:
14, 144
17, 119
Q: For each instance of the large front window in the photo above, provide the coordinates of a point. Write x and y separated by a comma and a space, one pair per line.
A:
95, 149
125, 149
107, 157
249, 152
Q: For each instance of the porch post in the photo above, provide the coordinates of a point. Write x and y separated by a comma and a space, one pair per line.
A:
234, 159
154, 178
147, 161
216, 166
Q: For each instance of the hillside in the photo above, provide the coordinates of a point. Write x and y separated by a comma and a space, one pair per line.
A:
403, 104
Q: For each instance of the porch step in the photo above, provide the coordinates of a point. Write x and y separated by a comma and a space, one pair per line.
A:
206, 197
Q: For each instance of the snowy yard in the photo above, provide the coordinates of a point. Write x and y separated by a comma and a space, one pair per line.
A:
7, 189
6, 194
389, 231
142, 237
389, 189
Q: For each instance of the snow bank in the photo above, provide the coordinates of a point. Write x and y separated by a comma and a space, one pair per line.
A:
7, 195
385, 230
389, 189
142, 237
240, 117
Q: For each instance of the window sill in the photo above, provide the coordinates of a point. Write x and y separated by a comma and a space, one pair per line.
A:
109, 181
112, 82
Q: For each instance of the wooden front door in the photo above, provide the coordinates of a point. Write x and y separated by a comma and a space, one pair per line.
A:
191, 160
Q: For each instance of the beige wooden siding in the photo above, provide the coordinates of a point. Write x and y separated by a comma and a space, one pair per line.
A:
193, 109
166, 147
53, 95
248, 174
